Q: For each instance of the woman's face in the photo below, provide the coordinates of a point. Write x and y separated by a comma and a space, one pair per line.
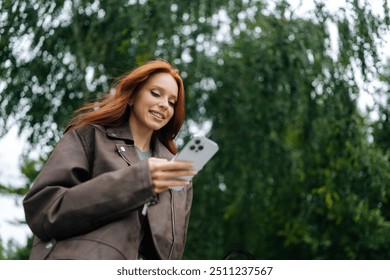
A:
154, 103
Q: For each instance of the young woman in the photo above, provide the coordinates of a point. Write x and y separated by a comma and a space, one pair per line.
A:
104, 192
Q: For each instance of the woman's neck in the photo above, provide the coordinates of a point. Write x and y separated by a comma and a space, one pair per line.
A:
141, 136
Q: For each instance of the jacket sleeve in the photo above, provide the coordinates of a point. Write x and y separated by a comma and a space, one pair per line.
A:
65, 201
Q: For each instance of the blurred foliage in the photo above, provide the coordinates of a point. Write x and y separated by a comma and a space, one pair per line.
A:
29, 169
15, 251
301, 173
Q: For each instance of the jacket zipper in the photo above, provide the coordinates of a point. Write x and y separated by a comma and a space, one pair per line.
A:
173, 224
172, 212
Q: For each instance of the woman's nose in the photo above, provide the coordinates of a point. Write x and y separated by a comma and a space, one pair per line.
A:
164, 103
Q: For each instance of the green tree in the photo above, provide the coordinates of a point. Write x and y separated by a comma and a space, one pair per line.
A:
298, 177
381, 126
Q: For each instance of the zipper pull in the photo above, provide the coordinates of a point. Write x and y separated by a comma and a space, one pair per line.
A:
154, 200
145, 209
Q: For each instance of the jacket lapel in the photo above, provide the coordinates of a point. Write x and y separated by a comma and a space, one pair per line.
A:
128, 153
160, 151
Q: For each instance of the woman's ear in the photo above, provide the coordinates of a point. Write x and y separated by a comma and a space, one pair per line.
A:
131, 101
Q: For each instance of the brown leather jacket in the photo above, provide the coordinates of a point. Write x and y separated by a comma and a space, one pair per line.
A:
85, 203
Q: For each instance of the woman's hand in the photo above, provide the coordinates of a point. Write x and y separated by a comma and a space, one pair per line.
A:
167, 174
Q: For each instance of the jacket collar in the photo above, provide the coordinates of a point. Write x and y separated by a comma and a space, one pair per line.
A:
123, 132
159, 150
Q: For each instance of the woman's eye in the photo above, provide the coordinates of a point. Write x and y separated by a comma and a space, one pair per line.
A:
155, 94
172, 104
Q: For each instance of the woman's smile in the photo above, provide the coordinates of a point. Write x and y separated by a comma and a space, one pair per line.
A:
157, 115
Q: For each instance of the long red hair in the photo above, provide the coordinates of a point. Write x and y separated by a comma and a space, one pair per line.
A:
112, 109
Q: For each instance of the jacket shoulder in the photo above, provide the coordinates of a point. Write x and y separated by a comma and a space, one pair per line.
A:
85, 135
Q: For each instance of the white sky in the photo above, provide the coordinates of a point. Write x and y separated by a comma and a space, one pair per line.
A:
11, 147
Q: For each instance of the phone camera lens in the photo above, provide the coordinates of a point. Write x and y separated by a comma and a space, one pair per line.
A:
200, 147
197, 141
192, 147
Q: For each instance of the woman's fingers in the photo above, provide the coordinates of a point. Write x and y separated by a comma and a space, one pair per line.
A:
172, 174
162, 164
163, 185
167, 174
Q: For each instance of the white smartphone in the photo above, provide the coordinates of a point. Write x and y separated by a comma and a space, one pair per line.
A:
199, 150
